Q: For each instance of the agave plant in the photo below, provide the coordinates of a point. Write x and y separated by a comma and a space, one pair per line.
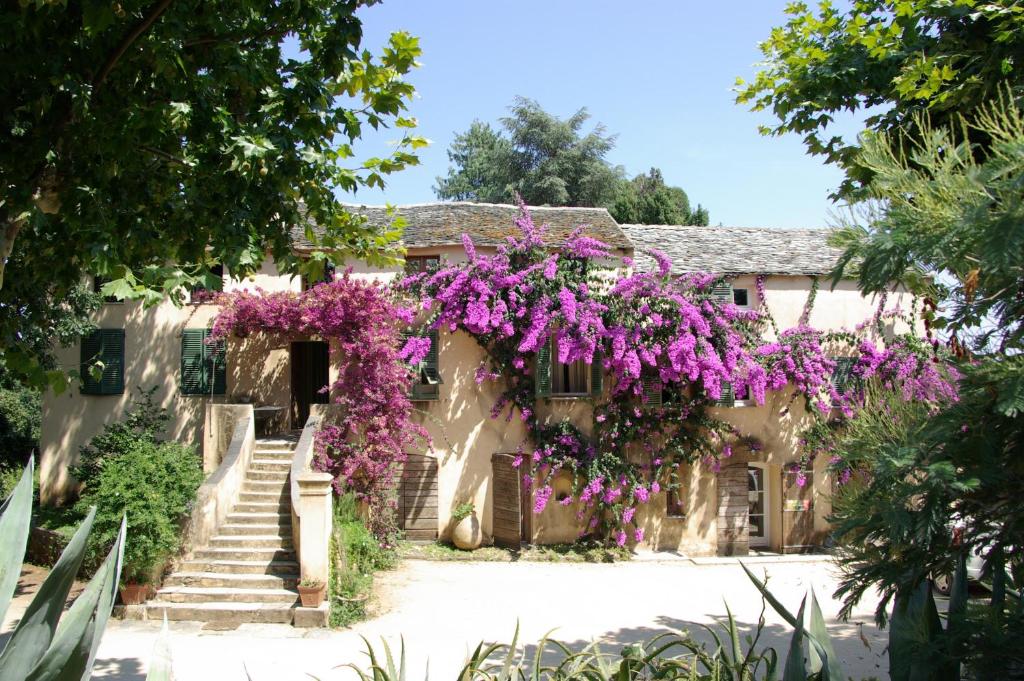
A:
49, 644
674, 655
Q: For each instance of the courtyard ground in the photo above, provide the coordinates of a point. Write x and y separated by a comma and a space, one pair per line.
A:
443, 609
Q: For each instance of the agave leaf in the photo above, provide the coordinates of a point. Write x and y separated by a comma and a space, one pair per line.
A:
768, 596
914, 626
506, 668
73, 649
829, 666
161, 667
734, 636
15, 520
795, 669
36, 629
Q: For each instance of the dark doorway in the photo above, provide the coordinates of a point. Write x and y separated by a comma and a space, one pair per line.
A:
310, 375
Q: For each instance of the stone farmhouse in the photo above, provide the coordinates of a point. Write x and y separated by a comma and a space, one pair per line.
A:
752, 502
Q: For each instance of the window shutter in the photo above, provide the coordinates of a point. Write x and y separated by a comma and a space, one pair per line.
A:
722, 292
597, 375
218, 358
652, 390
193, 378
843, 373
203, 366
427, 376
542, 375
106, 346
728, 398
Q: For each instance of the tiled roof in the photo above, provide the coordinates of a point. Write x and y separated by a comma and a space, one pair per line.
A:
443, 223
735, 250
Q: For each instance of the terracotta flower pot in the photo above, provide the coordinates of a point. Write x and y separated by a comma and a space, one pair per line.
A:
134, 594
311, 596
467, 534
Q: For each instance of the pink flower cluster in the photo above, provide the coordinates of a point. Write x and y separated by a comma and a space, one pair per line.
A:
361, 323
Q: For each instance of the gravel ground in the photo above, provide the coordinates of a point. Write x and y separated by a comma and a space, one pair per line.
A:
443, 609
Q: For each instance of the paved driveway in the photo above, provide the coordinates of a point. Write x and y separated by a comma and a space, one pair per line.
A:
443, 609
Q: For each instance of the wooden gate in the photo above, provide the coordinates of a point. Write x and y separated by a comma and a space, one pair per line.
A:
417, 497
797, 511
507, 520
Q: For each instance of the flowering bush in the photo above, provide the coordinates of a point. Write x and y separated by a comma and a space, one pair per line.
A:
362, 323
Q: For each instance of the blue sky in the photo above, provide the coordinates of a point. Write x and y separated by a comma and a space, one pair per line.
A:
657, 73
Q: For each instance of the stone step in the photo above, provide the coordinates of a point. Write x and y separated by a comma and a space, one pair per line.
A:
270, 465
240, 567
252, 541
282, 505
231, 580
200, 594
272, 448
250, 529
265, 496
222, 613
279, 477
262, 553
265, 486
260, 518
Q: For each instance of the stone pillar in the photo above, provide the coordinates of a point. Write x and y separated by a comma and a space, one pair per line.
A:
733, 507
315, 517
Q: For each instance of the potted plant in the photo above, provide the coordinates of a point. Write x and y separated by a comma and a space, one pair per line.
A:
467, 534
311, 592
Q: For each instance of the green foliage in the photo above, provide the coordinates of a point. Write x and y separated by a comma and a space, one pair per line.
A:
155, 485
581, 551
463, 511
647, 200
950, 225
20, 418
669, 656
355, 555
127, 124
39, 649
144, 421
889, 59
548, 161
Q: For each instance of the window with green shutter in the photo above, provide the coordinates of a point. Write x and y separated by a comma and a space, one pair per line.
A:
722, 292
203, 365
842, 376
597, 375
103, 348
728, 397
426, 382
542, 371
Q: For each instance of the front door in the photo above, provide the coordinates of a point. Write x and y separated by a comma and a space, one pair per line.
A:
310, 375
759, 509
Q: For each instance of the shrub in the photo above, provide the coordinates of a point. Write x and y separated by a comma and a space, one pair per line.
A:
155, 484
144, 422
355, 555
19, 433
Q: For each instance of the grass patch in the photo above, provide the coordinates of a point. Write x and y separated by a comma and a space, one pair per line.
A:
580, 552
355, 556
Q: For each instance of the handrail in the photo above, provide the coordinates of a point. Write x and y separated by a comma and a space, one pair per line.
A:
218, 494
311, 508
303, 457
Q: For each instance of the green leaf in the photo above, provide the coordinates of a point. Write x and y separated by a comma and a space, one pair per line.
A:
795, 669
37, 626
15, 520
831, 669
73, 650
161, 665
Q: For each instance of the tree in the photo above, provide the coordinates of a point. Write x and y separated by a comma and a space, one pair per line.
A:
544, 159
891, 59
942, 212
647, 200
148, 141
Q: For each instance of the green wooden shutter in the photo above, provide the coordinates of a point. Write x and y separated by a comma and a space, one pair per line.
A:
203, 366
427, 375
106, 346
728, 398
842, 375
542, 375
193, 378
597, 375
652, 390
722, 292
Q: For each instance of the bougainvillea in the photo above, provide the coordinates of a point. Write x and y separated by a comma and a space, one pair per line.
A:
362, 323
666, 344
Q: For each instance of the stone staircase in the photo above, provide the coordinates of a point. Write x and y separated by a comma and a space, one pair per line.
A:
248, 572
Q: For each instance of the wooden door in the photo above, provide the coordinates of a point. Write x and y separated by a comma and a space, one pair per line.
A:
507, 521
310, 374
797, 511
417, 498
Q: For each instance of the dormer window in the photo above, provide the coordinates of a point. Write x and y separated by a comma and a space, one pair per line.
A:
326, 277
741, 297
415, 264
